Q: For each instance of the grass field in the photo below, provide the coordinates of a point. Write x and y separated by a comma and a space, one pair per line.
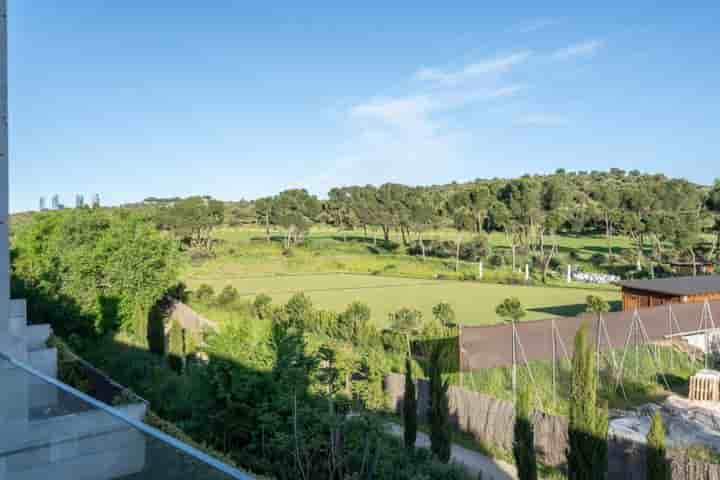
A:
474, 302
335, 272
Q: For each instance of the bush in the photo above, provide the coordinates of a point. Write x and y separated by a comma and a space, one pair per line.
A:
204, 293
298, 310
262, 306
227, 296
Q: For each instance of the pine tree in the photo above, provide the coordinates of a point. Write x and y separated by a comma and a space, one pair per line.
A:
524, 442
588, 422
658, 467
440, 433
410, 407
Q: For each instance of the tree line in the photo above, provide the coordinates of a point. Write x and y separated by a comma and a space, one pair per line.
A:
665, 218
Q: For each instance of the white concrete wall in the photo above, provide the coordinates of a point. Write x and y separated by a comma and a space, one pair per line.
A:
4, 186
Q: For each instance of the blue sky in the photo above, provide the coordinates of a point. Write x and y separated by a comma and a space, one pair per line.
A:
135, 98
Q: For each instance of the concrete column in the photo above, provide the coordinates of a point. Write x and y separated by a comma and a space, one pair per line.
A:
4, 250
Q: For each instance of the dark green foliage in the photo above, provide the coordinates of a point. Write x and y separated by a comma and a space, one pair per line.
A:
588, 421
713, 201
227, 296
524, 438
439, 412
354, 325
91, 271
204, 293
298, 310
658, 467
597, 305
410, 415
510, 309
176, 347
444, 313
262, 306
192, 220
156, 329
406, 320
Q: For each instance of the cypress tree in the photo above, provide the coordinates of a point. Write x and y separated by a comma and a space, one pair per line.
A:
524, 441
658, 467
410, 407
440, 433
588, 422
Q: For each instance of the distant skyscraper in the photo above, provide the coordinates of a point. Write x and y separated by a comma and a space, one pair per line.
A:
42, 203
96, 200
79, 200
55, 202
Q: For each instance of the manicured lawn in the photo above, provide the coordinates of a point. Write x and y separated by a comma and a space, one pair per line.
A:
474, 302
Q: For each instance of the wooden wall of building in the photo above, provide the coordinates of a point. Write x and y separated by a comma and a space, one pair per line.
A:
633, 298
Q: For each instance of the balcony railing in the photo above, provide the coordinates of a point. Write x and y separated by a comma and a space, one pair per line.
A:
51, 430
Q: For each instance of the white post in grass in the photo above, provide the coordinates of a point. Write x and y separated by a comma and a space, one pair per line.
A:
527, 272
480, 270
569, 274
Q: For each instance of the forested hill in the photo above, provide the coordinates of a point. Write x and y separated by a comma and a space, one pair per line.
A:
581, 200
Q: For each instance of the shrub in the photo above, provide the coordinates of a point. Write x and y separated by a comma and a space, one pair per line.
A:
204, 293
298, 310
227, 296
262, 306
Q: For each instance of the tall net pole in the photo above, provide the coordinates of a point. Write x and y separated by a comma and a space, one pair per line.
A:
637, 339
557, 341
707, 324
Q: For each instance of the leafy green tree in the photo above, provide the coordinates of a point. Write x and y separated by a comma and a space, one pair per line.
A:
192, 220
354, 323
588, 421
440, 428
608, 199
597, 305
299, 310
406, 321
340, 211
264, 212
295, 210
410, 416
90, 271
510, 309
524, 438
658, 467
713, 200
444, 313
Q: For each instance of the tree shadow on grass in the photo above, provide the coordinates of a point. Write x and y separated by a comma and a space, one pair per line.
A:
572, 310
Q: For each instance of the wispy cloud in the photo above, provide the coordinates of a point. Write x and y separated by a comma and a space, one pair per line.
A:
494, 65
542, 120
533, 25
582, 49
398, 111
